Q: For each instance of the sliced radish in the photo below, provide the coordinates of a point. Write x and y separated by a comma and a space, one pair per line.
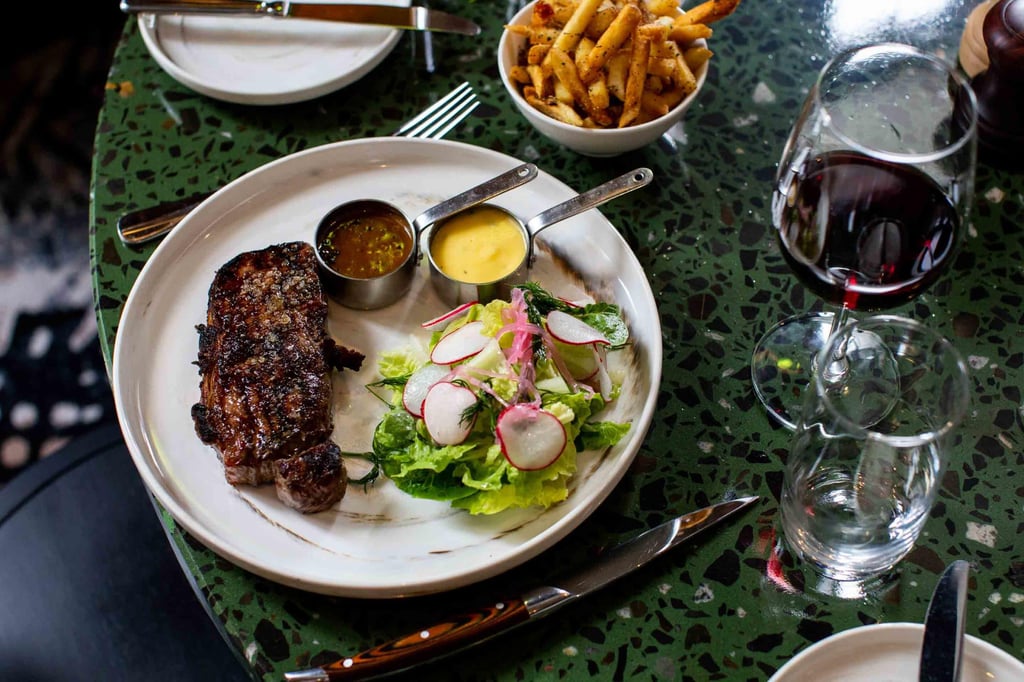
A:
442, 412
572, 330
604, 379
464, 342
418, 384
448, 316
531, 438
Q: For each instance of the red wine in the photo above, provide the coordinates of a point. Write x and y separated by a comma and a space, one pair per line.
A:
865, 233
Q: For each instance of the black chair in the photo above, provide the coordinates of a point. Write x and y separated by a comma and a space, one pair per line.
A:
90, 588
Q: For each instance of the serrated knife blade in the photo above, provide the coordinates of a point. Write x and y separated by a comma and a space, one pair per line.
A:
457, 633
409, 18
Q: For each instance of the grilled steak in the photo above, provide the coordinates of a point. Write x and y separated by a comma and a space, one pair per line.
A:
312, 480
264, 360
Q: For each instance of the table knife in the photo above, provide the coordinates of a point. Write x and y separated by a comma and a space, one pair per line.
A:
457, 633
941, 659
412, 18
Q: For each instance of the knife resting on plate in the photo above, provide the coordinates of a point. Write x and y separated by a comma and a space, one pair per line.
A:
457, 633
411, 18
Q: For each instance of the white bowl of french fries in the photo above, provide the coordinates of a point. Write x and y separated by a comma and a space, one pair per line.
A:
604, 77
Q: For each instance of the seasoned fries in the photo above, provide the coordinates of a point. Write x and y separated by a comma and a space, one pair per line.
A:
613, 63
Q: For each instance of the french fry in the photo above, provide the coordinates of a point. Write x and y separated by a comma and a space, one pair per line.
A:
654, 84
576, 25
543, 35
571, 32
651, 103
600, 97
707, 12
662, 67
637, 78
540, 84
562, 93
520, 75
603, 18
684, 77
562, 11
659, 104
618, 72
665, 50
520, 30
555, 109
723, 8
613, 63
537, 53
656, 31
695, 15
696, 56
612, 39
644, 117
583, 48
597, 90
662, 8
687, 33
565, 71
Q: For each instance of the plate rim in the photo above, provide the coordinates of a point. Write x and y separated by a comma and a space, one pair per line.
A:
187, 235
283, 96
903, 630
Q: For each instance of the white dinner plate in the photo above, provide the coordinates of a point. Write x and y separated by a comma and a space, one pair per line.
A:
377, 542
265, 60
890, 652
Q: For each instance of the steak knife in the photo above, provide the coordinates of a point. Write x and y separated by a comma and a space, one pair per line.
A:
941, 659
460, 632
413, 18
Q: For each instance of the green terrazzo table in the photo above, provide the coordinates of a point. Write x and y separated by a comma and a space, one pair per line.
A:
731, 605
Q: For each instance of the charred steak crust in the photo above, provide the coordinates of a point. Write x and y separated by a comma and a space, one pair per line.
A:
264, 360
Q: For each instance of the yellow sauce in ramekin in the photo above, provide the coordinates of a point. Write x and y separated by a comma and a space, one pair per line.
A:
478, 246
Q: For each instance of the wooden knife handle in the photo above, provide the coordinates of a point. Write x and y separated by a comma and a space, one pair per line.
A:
431, 643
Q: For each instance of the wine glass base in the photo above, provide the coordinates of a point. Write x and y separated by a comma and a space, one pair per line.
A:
783, 363
785, 359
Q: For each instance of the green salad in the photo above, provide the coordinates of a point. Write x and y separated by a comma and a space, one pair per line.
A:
491, 415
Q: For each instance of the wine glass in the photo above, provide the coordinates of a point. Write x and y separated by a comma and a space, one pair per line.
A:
871, 198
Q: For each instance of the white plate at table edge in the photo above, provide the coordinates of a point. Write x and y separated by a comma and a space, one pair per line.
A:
890, 652
378, 543
274, 61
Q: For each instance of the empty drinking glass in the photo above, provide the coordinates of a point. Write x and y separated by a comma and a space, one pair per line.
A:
871, 446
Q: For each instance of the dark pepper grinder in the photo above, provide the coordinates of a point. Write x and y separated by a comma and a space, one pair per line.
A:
1000, 88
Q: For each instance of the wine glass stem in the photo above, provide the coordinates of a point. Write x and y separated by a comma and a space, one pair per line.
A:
837, 366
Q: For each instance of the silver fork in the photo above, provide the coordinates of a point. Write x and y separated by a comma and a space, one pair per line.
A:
436, 121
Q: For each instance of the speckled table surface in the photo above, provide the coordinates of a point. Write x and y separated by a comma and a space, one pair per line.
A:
731, 605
